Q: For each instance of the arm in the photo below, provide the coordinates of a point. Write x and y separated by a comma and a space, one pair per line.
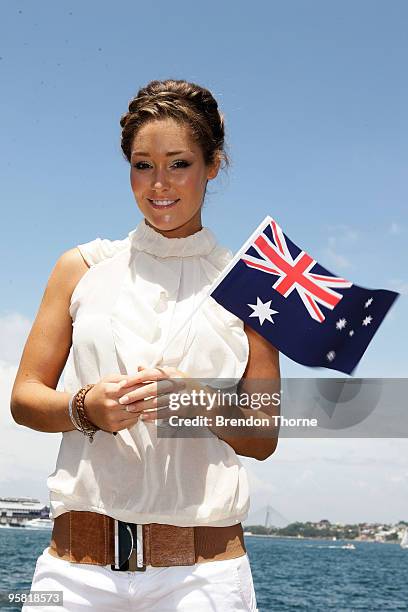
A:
34, 401
263, 363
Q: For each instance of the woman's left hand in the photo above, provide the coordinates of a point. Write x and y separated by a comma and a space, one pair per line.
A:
156, 384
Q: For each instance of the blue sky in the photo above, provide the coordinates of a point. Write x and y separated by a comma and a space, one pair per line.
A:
315, 104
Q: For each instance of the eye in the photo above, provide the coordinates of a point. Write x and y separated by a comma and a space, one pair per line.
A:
142, 165
181, 161
138, 165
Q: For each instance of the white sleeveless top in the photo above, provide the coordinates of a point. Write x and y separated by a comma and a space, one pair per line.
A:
136, 292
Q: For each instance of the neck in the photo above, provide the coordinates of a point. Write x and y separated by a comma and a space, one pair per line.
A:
146, 238
192, 226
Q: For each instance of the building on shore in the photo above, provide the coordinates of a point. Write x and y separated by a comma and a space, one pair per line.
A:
16, 511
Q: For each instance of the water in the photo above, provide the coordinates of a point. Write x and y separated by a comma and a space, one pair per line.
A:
289, 575
318, 575
19, 549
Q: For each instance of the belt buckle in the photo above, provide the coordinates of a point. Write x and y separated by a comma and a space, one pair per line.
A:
127, 557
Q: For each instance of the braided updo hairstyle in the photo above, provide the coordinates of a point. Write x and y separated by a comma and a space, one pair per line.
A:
185, 103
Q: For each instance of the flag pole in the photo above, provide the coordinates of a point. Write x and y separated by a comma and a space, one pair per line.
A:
182, 326
215, 284
239, 253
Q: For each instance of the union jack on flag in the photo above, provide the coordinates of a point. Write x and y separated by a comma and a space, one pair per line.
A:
311, 315
295, 273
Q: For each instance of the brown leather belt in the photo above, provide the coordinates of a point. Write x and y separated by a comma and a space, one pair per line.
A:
93, 538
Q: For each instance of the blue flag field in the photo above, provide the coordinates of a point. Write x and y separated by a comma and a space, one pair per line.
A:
305, 311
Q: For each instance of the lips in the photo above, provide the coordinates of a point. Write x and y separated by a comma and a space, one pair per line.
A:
165, 206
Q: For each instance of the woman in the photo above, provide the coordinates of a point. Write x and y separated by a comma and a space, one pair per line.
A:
145, 519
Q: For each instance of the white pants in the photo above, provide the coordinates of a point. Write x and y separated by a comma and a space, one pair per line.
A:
216, 586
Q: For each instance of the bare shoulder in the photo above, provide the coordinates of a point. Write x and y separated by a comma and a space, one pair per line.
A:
67, 272
48, 343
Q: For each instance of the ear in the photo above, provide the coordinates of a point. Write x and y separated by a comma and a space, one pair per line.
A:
214, 168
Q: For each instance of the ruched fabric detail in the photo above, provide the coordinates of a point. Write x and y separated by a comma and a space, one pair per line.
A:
124, 310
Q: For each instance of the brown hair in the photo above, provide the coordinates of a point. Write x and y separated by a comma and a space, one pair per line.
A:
185, 103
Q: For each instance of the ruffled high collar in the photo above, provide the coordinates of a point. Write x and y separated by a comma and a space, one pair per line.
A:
145, 238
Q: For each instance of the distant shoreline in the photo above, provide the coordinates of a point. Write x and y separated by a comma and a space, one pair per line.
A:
288, 537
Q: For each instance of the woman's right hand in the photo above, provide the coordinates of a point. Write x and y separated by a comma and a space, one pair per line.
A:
102, 406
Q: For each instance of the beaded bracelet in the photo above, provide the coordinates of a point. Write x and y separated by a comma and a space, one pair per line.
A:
84, 424
87, 427
71, 416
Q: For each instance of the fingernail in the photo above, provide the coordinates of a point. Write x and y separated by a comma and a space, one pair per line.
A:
124, 399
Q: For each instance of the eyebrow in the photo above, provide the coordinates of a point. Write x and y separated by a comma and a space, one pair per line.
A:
168, 154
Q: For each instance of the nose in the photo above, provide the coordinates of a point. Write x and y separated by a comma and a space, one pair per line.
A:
159, 179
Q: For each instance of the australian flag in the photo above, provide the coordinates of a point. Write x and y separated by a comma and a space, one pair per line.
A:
305, 311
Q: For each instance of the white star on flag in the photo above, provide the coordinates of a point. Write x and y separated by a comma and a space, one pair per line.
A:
367, 320
368, 302
341, 323
262, 310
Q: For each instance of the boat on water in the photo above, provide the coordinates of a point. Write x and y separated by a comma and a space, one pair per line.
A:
39, 523
404, 539
349, 546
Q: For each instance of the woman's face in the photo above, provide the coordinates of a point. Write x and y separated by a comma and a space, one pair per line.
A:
167, 165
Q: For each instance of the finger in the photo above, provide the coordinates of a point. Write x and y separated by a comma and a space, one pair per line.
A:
171, 384
128, 422
130, 411
123, 388
149, 390
147, 374
168, 410
153, 403
123, 379
162, 412
114, 389
123, 419
137, 394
